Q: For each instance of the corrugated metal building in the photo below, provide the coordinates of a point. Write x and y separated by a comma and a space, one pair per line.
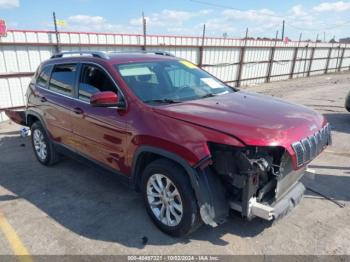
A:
236, 61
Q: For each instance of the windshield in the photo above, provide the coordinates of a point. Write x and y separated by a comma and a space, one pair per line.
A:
170, 81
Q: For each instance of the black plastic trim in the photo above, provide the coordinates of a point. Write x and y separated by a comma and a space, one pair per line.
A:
80, 157
207, 186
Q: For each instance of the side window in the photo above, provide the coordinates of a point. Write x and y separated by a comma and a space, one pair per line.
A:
43, 77
62, 79
93, 80
180, 78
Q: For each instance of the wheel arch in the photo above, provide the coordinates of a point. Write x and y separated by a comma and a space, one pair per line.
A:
146, 154
32, 117
207, 187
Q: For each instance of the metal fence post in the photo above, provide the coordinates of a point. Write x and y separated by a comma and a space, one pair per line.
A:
200, 56
341, 59
295, 55
293, 62
269, 68
311, 60
305, 60
144, 28
56, 33
328, 58
241, 60
240, 66
201, 49
272, 54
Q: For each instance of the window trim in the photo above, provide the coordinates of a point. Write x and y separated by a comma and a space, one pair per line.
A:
107, 73
79, 66
74, 82
41, 69
116, 67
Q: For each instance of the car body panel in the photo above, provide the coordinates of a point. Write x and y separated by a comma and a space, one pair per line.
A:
100, 133
57, 111
236, 119
254, 119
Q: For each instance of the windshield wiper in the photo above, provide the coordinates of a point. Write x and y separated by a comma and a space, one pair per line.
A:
208, 95
163, 101
213, 94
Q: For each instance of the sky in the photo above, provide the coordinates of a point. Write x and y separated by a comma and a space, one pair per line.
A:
185, 17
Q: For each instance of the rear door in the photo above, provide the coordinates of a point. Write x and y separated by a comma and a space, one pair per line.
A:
58, 100
99, 131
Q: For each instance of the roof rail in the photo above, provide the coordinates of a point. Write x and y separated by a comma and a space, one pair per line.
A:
156, 52
98, 54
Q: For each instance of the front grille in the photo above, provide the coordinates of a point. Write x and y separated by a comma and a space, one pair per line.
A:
308, 148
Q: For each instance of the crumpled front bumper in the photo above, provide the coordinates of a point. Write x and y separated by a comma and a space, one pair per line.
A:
280, 208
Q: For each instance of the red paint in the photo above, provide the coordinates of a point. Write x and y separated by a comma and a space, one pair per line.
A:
139, 35
104, 98
3, 28
112, 136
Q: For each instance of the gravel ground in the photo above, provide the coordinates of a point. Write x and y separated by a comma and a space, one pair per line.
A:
73, 209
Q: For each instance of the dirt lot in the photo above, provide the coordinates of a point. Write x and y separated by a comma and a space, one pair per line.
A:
72, 209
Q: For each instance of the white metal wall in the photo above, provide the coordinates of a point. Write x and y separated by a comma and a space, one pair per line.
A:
229, 59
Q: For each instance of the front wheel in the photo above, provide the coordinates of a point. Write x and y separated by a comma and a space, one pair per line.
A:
169, 198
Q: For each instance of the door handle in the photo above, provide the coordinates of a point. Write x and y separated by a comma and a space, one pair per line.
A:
43, 99
78, 111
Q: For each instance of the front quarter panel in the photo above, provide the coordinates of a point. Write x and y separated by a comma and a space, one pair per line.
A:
184, 139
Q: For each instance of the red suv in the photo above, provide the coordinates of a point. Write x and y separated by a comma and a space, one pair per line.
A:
194, 146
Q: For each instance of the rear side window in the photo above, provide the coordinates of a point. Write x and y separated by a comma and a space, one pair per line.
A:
62, 79
43, 77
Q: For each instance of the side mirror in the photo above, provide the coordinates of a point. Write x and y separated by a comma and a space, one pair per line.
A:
104, 99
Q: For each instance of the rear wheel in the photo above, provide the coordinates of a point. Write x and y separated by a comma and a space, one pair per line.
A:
169, 198
42, 146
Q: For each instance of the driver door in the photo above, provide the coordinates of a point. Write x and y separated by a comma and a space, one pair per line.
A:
99, 131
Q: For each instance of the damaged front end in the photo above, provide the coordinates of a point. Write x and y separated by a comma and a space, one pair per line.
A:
258, 181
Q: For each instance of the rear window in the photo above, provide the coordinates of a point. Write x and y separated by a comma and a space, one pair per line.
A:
43, 77
62, 79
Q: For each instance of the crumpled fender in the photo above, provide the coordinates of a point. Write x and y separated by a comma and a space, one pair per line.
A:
206, 185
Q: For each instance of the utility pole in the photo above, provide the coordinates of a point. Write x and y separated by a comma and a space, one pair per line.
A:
144, 32
201, 49
282, 36
56, 32
203, 35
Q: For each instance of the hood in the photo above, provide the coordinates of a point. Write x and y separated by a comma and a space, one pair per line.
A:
254, 119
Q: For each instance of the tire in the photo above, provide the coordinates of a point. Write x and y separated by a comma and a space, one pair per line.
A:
42, 146
347, 102
169, 173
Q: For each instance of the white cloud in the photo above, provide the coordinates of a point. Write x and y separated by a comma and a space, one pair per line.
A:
87, 20
12, 24
96, 23
218, 26
9, 3
169, 18
262, 15
261, 22
298, 10
334, 7
258, 21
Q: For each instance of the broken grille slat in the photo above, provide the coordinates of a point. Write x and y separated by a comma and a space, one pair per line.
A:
308, 148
